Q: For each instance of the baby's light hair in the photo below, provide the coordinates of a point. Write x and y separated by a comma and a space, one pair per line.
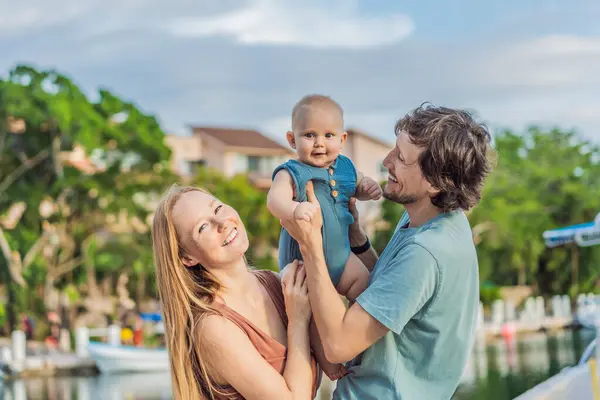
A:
314, 100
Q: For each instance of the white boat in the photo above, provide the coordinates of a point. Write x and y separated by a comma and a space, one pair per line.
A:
571, 383
117, 359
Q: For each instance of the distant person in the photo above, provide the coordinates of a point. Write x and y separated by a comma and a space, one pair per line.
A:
53, 339
138, 331
27, 326
232, 333
318, 137
408, 335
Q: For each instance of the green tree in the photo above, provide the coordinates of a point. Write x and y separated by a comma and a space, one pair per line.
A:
66, 165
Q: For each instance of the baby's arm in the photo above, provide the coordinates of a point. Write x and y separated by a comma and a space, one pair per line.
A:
280, 199
367, 188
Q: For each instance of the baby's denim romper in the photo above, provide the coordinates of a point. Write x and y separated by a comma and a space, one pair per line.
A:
334, 186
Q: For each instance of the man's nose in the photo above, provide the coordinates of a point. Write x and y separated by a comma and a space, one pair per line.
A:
387, 161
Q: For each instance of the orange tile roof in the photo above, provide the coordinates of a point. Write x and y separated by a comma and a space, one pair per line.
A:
240, 137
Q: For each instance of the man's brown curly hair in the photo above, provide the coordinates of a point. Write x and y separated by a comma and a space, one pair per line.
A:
456, 155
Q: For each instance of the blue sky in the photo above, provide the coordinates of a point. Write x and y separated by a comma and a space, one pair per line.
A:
244, 63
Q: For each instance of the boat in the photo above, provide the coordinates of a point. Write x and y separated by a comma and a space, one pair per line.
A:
576, 382
580, 381
118, 359
584, 235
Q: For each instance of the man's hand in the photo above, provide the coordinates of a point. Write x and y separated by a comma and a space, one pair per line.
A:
369, 190
357, 235
303, 231
306, 211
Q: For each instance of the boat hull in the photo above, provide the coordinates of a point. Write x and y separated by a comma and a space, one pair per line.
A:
118, 359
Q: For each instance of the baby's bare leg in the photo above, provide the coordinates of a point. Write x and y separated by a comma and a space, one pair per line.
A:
333, 371
354, 279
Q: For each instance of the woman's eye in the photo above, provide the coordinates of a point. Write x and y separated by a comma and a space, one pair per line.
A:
218, 208
202, 227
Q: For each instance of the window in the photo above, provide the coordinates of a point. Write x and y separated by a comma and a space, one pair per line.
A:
253, 164
190, 167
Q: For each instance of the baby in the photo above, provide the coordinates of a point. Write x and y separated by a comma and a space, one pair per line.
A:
318, 137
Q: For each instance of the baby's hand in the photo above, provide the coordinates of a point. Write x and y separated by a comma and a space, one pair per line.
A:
370, 189
305, 211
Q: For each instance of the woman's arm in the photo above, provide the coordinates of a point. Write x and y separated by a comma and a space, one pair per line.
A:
233, 360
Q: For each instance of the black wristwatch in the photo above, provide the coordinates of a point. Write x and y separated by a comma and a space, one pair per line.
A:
361, 249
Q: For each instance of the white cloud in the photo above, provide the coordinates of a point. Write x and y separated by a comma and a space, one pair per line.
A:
545, 62
16, 17
510, 81
310, 24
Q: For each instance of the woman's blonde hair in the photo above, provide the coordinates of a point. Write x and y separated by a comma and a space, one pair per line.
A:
186, 295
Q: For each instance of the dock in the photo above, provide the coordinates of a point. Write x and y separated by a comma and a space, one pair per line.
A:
18, 359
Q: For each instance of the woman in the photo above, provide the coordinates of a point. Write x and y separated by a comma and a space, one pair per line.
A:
227, 330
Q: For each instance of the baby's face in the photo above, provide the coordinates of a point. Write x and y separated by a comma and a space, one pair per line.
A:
318, 137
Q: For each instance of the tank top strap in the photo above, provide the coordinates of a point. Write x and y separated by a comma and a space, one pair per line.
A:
229, 314
272, 284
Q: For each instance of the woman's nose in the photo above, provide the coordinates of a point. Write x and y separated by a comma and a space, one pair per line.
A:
222, 223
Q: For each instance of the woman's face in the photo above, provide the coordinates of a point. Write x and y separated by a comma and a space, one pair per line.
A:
211, 233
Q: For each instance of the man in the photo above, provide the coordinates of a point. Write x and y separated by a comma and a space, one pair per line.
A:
408, 335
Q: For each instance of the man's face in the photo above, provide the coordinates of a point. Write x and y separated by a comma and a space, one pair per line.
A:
406, 183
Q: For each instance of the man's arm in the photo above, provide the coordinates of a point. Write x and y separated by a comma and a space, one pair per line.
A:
345, 333
387, 304
358, 238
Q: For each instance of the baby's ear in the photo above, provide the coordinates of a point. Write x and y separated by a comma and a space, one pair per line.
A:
291, 139
344, 136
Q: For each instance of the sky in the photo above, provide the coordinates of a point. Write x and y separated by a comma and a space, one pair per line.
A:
245, 63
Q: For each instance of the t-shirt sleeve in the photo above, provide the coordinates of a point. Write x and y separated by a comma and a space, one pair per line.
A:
402, 289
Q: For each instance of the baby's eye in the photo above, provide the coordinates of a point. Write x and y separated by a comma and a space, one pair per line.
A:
329, 135
309, 135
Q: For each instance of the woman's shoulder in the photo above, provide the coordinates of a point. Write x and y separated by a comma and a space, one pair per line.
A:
216, 330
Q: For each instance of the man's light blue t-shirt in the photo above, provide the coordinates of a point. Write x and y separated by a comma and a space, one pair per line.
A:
425, 289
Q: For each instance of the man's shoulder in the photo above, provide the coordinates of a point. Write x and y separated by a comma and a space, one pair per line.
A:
449, 235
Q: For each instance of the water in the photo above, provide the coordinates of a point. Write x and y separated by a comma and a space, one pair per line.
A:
495, 371
498, 371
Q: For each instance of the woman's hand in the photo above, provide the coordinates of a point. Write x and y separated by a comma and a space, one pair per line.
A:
295, 293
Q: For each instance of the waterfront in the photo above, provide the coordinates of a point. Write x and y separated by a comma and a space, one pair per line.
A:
496, 371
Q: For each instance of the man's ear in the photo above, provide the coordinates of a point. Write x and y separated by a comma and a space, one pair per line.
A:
291, 139
432, 191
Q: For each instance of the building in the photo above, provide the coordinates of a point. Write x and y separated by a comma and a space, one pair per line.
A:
231, 151
368, 153
234, 151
